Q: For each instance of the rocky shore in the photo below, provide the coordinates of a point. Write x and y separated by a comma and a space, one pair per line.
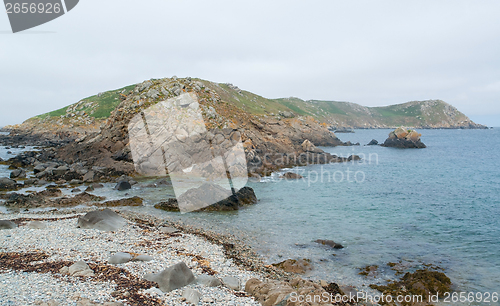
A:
53, 259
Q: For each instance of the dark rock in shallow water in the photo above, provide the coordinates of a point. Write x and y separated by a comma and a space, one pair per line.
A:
374, 142
104, 220
123, 185
198, 197
300, 266
421, 282
330, 243
174, 277
292, 176
6, 224
134, 201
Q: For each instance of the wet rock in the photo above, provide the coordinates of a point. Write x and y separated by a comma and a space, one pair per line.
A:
159, 183
174, 277
134, 201
291, 176
76, 190
369, 271
81, 198
232, 282
192, 296
104, 220
18, 173
404, 138
330, 243
208, 281
373, 142
300, 266
6, 224
421, 282
271, 293
353, 157
120, 258
7, 184
123, 185
37, 225
198, 198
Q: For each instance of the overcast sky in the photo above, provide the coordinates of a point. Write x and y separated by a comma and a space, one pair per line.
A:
373, 53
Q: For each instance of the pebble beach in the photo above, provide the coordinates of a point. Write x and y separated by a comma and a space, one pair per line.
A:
59, 243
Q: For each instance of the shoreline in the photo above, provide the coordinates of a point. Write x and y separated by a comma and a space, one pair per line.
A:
231, 257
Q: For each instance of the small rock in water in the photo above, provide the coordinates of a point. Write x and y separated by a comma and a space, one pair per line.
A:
123, 185
174, 277
37, 225
330, 243
120, 258
18, 173
6, 224
76, 190
192, 296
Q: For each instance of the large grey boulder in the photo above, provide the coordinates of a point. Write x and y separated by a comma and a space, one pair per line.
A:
6, 224
60, 170
174, 277
104, 220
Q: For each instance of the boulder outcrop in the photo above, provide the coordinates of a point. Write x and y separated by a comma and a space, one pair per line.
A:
404, 138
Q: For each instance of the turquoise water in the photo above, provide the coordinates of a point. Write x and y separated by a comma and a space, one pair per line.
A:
439, 205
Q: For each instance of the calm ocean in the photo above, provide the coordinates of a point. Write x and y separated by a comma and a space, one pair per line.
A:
439, 206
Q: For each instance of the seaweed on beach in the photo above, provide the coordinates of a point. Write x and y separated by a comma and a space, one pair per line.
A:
127, 284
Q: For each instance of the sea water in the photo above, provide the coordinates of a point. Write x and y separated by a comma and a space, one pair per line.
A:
439, 205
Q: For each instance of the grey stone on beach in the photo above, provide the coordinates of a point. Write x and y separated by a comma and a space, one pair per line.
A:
143, 257
60, 170
89, 176
231, 282
80, 268
6, 224
192, 296
173, 277
208, 281
120, 258
47, 303
37, 225
104, 220
168, 230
